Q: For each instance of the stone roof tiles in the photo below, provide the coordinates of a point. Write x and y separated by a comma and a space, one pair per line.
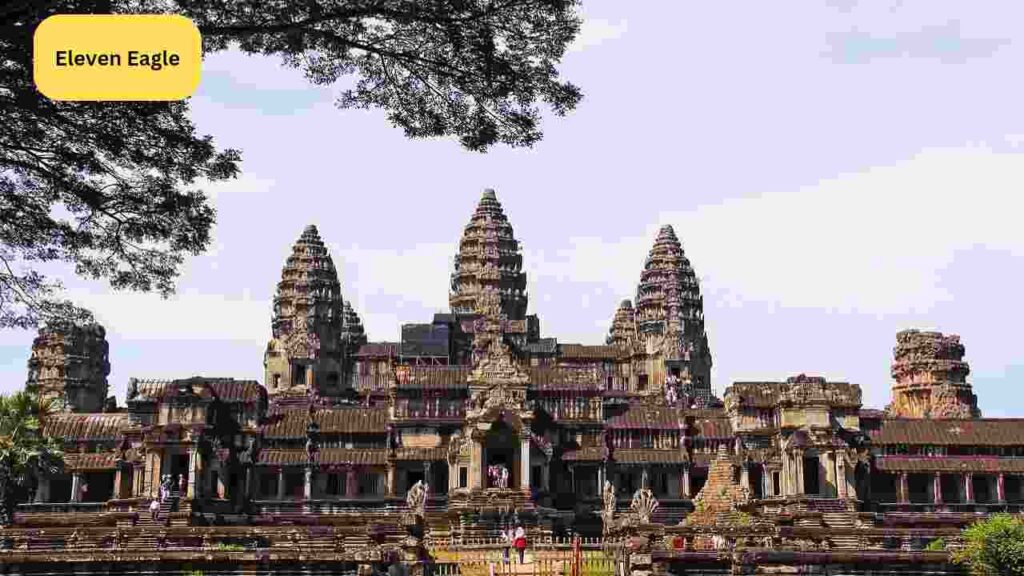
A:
588, 352
977, 432
336, 420
76, 427
76, 462
224, 389
647, 417
989, 464
649, 456
326, 456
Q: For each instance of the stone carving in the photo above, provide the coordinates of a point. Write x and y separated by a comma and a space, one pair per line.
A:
644, 505
931, 377
416, 498
609, 502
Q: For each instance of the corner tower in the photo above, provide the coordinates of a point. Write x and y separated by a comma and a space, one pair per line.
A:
305, 355
670, 315
931, 377
70, 364
489, 258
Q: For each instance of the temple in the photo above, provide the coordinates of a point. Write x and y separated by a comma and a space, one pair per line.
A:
354, 455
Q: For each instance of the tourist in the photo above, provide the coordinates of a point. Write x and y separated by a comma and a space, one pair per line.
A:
520, 543
507, 537
154, 508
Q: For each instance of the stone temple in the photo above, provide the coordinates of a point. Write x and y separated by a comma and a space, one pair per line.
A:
356, 456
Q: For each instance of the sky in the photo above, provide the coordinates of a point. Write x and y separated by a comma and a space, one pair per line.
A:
836, 171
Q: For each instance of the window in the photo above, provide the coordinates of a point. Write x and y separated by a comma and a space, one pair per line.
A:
641, 384
298, 375
463, 477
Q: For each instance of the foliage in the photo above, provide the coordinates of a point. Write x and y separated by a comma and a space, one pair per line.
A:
743, 518
937, 545
24, 451
105, 186
994, 547
110, 187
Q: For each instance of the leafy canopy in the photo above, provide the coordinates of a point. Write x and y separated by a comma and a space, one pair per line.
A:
994, 547
112, 187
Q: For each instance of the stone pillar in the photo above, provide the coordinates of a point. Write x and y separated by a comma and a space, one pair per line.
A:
42, 489
686, 486
828, 462
1000, 489
119, 474
351, 483
392, 479
745, 476
476, 468
766, 482
524, 463
798, 461
76, 487
137, 487
969, 487
902, 494
195, 469
427, 479
937, 489
307, 489
841, 481
280, 484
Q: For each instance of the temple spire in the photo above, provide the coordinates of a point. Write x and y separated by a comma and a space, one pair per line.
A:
670, 314
305, 354
489, 258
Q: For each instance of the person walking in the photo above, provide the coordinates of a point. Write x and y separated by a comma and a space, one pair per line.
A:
507, 536
520, 543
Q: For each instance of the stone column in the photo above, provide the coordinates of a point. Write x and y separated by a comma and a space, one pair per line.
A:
841, 483
476, 468
307, 489
392, 479
427, 479
766, 482
828, 462
524, 462
280, 484
137, 487
76, 487
798, 461
902, 495
351, 483
686, 487
42, 489
195, 468
1000, 489
969, 487
937, 489
745, 476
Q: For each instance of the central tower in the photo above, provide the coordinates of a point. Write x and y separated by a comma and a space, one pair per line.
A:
489, 259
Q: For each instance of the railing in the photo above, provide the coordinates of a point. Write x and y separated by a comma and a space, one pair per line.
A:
430, 409
374, 382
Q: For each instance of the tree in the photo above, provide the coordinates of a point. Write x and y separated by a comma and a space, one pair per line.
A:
24, 450
994, 547
110, 187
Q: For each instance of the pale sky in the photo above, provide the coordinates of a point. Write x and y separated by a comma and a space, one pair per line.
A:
835, 173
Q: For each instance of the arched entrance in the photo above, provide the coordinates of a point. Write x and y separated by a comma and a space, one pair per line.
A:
501, 456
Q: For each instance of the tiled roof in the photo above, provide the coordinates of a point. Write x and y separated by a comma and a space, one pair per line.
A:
422, 454
337, 420
871, 413
225, 389
648, 456
949, 464
588, 352
713, 427
585, 454
433, 376
564, 378
378, 349
647, 417
979, 432
75, 427
90, 461
326, 456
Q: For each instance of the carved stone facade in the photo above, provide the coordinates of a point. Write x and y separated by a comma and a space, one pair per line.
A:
69, 364
931, 377
354, 454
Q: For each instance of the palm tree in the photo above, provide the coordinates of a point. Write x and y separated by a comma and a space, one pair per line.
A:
24, 451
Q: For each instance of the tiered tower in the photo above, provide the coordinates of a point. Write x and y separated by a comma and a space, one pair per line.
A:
489, 258
670, 314
305, 356
623, 331
70, 364
931, 377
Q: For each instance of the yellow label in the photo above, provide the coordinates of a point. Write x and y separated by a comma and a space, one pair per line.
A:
111, 57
